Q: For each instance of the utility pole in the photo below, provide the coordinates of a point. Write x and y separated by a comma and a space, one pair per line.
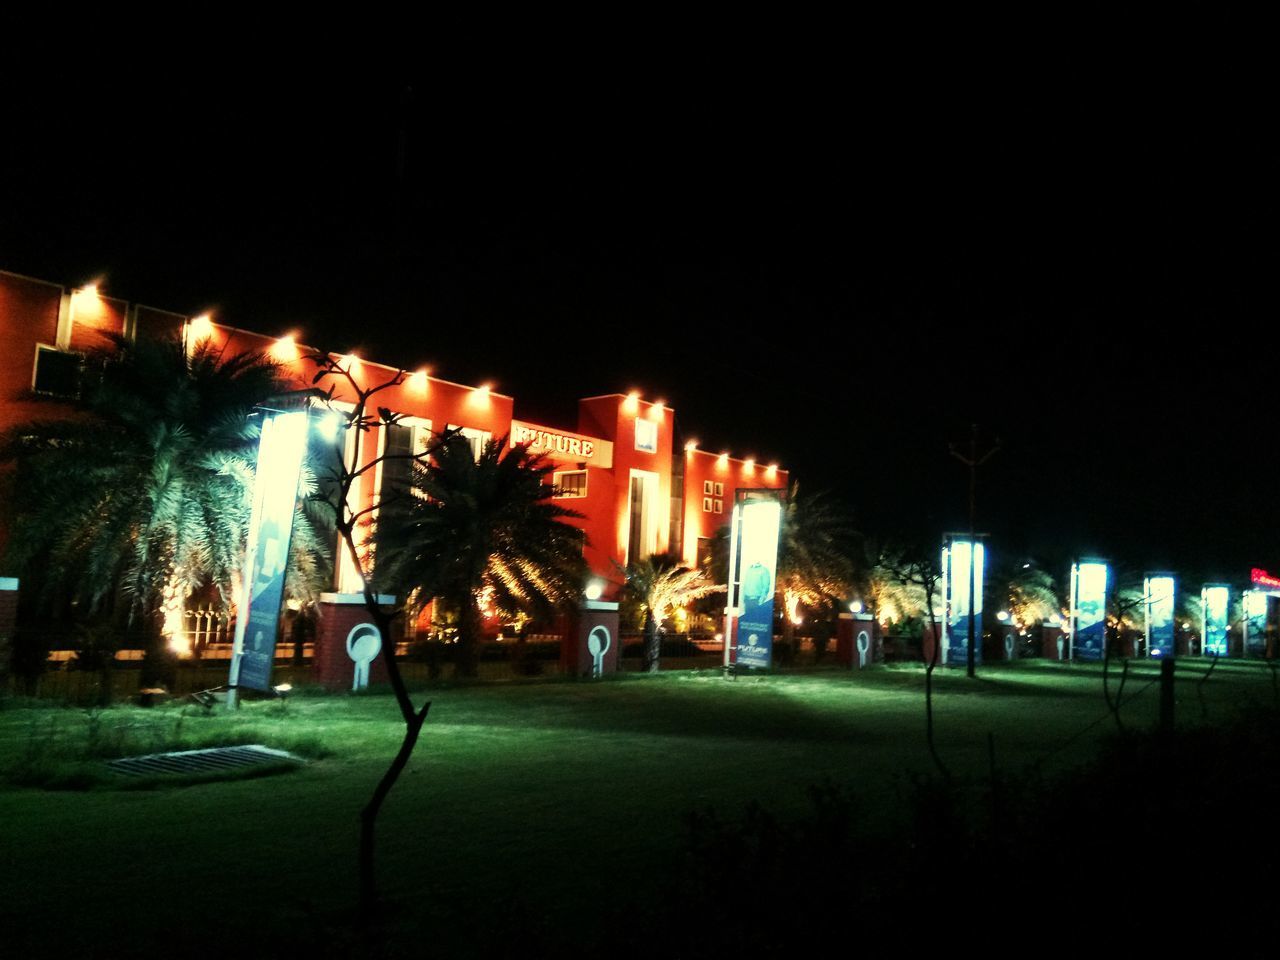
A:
973, 462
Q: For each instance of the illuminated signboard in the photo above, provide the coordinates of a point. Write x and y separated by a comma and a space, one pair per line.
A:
955, 571
562, 445
757, 524
275, 491
1213, 604
1255, 623
1261, 578
1088, 610
1159, 590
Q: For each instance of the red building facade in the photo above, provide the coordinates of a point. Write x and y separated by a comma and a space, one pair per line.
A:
619, 465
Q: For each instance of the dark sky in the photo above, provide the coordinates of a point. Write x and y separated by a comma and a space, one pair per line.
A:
841, 267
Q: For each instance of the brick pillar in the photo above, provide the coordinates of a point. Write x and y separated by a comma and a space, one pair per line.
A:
340, 619
1010, 637
8, 621
1053, 642
591, 635
858, 643
930, 637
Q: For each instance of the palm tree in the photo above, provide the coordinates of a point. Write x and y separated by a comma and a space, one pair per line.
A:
481, 529
141, 497
1032, 597
815, 550
661, 584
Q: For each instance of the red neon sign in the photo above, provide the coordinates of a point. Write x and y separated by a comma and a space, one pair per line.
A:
1264, 579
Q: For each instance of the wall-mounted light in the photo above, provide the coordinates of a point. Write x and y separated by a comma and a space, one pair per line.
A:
657, 410
749, 465
479, 396
328, 425
690, 446
200, 328
722, 461
418, 381
632, 403
285, 348
771, 471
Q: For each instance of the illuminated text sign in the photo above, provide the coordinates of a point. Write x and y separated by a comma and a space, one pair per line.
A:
560, 445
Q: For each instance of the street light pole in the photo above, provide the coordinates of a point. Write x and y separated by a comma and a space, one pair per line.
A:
973, 462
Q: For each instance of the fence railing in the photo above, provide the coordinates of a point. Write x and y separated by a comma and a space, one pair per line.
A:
421, 661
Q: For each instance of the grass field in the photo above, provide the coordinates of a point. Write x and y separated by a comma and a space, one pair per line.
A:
552, 800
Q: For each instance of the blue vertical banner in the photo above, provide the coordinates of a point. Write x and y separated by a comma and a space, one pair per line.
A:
1214, 600
1255, 623
957, 557
275, 492
759, 522
1088, 610
1159, 591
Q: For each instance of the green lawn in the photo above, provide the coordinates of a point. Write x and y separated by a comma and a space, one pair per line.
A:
547, 798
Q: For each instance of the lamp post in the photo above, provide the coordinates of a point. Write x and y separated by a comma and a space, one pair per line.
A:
973, 462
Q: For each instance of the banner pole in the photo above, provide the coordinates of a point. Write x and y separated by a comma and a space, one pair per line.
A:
731, 602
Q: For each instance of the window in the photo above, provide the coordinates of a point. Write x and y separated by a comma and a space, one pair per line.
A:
571, 484
719, 506
706, 504
708, 488
646, 435
719, 489
404, 440
642, 534
477, 438
57, 372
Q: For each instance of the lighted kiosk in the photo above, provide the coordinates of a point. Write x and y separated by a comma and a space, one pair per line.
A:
963, 561
1215, 601
753, 568
1261, 615
282, 444
1087, 627
1159, 596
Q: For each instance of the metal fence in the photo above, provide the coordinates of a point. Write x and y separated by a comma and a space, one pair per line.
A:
421, 662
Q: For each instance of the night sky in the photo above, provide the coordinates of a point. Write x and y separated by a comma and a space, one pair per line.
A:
838, 267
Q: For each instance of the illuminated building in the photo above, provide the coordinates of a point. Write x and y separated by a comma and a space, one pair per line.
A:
617, 464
